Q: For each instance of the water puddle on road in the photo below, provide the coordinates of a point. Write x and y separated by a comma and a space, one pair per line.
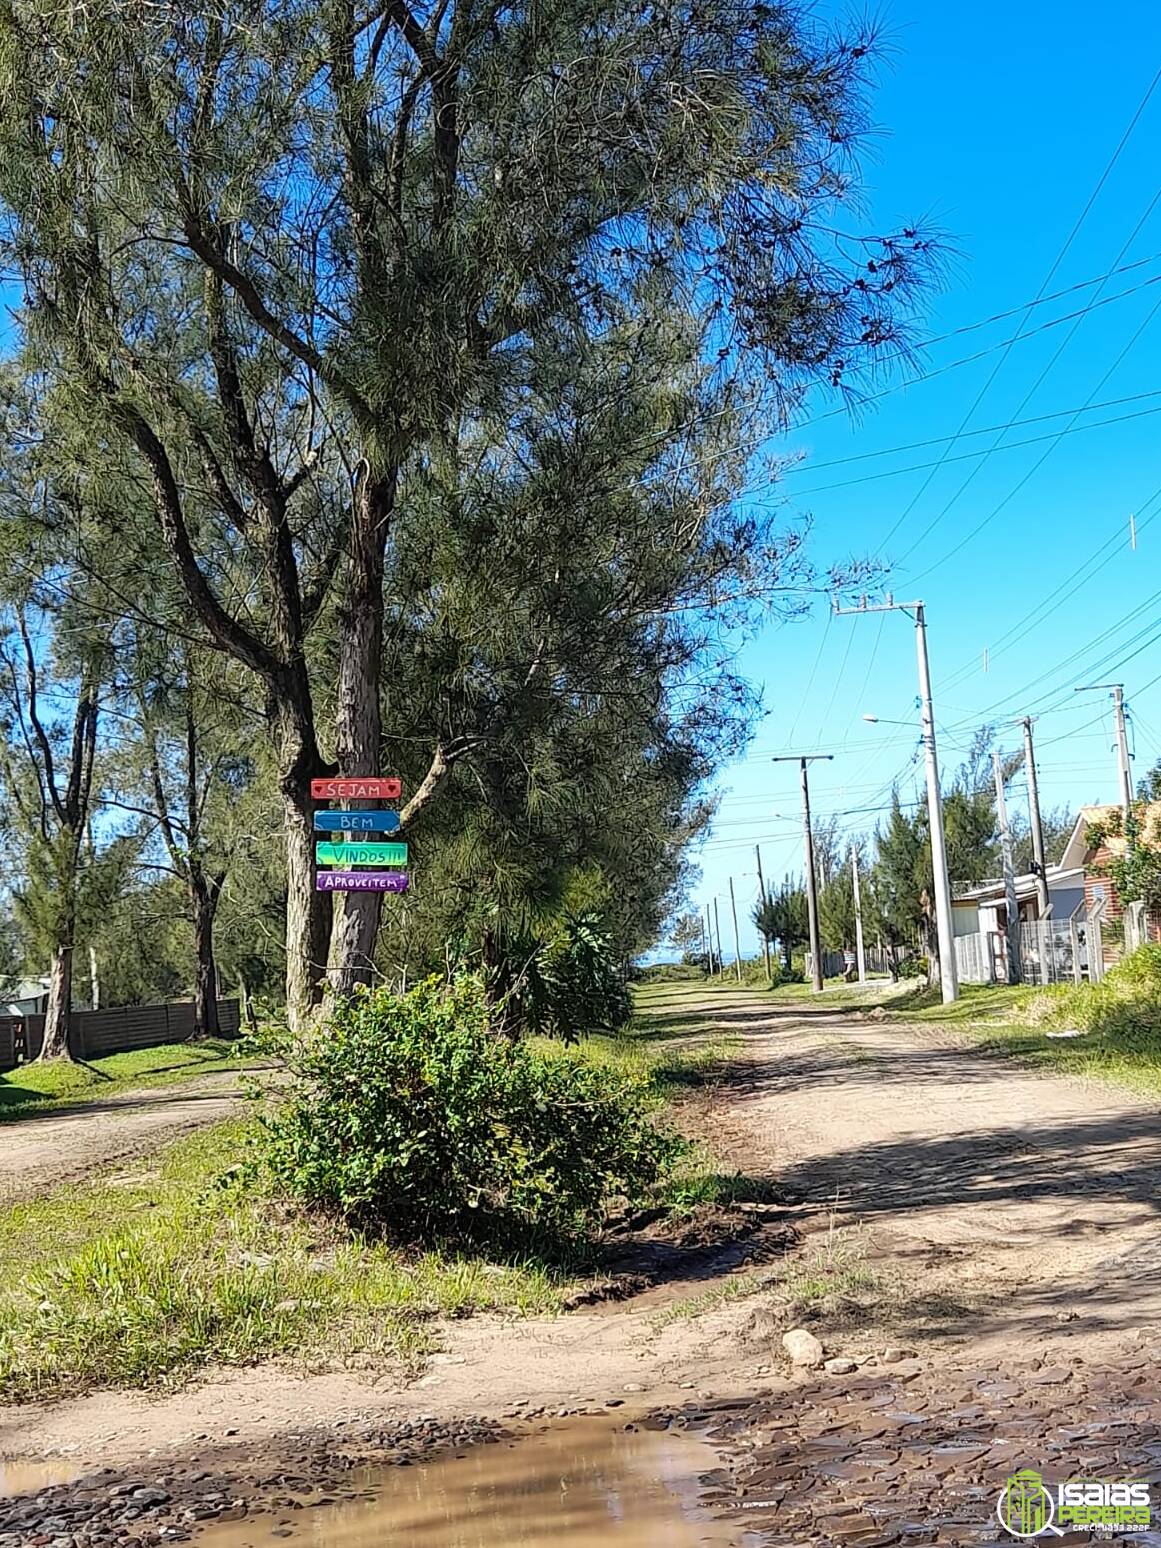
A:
584, 1484
26, 1477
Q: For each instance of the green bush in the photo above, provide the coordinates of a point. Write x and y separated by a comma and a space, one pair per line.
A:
409, 1114
1125, 1005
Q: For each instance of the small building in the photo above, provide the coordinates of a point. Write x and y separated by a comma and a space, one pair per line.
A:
985, 907
23, 996
1051, 945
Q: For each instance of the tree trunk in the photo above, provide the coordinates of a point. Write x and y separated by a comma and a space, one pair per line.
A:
359, 728
308, 913
203, 904
58, 1016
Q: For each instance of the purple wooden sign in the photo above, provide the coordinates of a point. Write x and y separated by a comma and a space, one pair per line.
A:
361, 881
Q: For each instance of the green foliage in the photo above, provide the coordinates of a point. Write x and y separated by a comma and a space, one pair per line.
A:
584, 990
1136, 871
1125, 1006
782, 916
409, 1114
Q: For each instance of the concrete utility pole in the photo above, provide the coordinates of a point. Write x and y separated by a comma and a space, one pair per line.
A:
1012, 902
1124, 768
1123, 750
762, 895
948, 970
859, 949
1040, 864
737, 942
808, 854
718, 933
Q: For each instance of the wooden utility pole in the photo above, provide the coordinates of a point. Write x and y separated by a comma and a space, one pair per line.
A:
718, 933
808, 855
709, 935
704, 951
1039, 862
737, 942
1012, 902
860, 950
762, 894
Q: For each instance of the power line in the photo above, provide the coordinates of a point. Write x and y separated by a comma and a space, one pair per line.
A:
983, 452
1036, 466
998, 367
1070, 585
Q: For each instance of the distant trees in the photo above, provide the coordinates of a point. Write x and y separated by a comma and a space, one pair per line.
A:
49, 718
781, 918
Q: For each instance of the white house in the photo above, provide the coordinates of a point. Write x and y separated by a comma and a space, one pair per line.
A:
23, 996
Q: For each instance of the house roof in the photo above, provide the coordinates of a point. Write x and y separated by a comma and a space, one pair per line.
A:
1059, 877
1078, 849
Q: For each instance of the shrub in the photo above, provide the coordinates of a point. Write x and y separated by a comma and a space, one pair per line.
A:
1126, 1004
566, 986
409, 1114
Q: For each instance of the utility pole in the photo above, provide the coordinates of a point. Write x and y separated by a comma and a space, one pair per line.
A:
859, 949
737, 942
762, 894
704, 949
709, 935
718, 933
808, 852
1133, 912
1123, 766
1012, 902
1040, 864
1123, 751
948, 970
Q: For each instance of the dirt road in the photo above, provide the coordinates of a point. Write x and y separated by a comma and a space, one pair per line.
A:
1011, 1219
1010, 1204
36, 1153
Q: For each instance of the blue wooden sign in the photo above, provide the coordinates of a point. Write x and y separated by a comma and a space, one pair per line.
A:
357, 822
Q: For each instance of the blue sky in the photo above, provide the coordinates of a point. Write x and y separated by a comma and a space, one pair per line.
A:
996, 124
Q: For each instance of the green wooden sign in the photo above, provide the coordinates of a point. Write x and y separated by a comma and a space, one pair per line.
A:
360, 854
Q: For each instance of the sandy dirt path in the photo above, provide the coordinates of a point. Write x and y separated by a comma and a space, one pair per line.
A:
37, 1153
1010, 1201
1013, 1217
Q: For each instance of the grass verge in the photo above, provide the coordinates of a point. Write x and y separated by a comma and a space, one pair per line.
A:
141, 1278
33, 1089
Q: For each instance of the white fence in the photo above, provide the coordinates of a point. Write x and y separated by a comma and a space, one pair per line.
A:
1052, 951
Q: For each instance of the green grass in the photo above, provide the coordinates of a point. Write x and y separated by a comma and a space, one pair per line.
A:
140, 1278
143, 1277
978, 1004
34, 1089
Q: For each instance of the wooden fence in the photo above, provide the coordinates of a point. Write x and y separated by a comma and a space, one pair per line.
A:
110, 1031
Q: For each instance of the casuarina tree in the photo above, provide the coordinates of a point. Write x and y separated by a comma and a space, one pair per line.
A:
308, 268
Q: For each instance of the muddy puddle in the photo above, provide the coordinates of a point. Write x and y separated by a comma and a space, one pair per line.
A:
26, 1477
584, 1484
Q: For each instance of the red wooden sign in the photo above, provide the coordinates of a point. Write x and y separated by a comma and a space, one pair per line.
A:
356, 789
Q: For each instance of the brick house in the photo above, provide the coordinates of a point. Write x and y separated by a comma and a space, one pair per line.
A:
1080, 855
